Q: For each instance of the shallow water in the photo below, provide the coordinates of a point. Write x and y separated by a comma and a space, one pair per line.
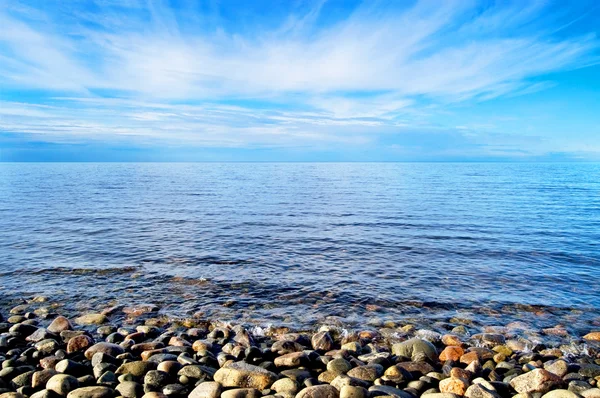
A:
297, 243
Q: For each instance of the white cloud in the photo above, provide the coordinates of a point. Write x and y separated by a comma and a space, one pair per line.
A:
371, 72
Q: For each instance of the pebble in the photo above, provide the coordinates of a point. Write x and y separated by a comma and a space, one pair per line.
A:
92, 392
48, 357
207, 389
104, 348
454, 385
62, 384
91, 319
415, 349
320, 391
79, 343
535, 381
244, 375
60, 324
322, 341
592, 336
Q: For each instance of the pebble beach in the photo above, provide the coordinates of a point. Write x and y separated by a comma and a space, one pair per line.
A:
134, 351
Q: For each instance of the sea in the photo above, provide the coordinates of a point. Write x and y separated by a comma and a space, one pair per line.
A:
305, 244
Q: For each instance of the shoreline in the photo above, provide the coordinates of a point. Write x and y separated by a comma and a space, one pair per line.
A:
135, 351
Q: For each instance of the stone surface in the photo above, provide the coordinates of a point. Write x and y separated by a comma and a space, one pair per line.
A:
322, 341
559, 367
105, 348
136, 368
79, 343
593, 336
293, 359
62, 384
454, 385
390, 391
452, 353
481, 390
320, 391
92, 392
367, 372
60, 324
241, 393
415, 349
91, 319
536, 381
244, 375
207, 389
353, 392
560, 394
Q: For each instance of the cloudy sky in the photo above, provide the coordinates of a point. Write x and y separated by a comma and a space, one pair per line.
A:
328, 80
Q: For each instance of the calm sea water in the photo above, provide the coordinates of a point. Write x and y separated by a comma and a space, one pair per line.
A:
297, 243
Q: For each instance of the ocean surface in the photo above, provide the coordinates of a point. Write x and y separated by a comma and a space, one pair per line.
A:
303, 243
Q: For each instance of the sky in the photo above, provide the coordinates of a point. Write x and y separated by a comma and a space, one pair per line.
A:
292, 80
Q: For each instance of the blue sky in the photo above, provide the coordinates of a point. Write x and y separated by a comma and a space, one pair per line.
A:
336, 80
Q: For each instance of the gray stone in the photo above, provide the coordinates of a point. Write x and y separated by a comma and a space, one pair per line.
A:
560, 394
391, 391
207, 389
62, 384
92, 392
241, 393
415, 349
322, 341
130, 389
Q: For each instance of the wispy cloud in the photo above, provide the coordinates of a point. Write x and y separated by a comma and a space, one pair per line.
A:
153, 71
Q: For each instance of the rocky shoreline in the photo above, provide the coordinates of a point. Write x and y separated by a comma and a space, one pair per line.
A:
134, 352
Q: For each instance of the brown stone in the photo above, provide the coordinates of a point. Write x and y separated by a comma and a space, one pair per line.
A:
452, 353
460, 373
105, 348
148, 354
179, 342
49, 362
420, 367
293, 359
201, 345
79, 343
139, 310
141, 347
451, 340
60, 324
469, 357
556, 331
244, 375
454, 385
322, 341
322, 391
593, 336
